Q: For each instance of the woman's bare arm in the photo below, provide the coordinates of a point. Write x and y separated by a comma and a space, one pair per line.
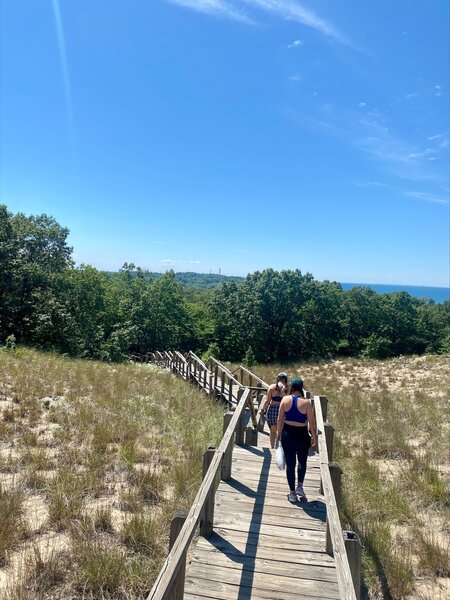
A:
280, 421
268, 399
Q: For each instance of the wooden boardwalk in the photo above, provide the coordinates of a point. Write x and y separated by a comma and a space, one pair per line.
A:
262, 545
253, 542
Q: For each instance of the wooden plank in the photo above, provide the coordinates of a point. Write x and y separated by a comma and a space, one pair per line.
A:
294, 521
257, 581
236, 536
209, 562
235, 594
238, 545
230, 496
251, 522
295, 513
273, 492
239, 523
218, 590
261, 479
270, 470
220, 555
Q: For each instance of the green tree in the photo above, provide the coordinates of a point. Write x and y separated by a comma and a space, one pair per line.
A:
32, 250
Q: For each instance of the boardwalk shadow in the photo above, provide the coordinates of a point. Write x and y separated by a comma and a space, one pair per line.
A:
247, 558
314, 508
241, 488
248, 573
253, 450
224, 546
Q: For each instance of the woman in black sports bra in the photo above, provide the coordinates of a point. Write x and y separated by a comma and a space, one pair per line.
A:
275, 393
295, 414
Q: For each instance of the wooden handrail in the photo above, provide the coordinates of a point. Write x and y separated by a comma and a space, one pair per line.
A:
180, 356
162, 585
254, 376
344, 576
225, 370
199, 360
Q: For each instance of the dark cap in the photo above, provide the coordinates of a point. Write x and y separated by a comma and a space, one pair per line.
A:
282, 376
297, 381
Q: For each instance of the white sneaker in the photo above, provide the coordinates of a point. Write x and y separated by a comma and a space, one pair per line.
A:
300, 491
292, 497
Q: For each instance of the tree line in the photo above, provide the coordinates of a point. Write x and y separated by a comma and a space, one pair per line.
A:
48, 302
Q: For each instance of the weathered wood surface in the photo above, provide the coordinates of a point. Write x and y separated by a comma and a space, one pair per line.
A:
334, 539
263, 547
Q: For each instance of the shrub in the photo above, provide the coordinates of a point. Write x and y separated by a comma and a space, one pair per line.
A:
10, 342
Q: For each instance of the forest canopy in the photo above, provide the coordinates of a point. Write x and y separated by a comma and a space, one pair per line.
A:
48, 302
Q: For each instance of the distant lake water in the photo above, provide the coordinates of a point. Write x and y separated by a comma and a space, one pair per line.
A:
438, 294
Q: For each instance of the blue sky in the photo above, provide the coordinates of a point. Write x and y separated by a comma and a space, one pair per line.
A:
233, 134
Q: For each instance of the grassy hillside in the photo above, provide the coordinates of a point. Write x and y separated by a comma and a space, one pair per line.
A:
94, 459
392, 438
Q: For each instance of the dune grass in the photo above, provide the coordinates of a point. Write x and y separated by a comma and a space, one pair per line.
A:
104, 454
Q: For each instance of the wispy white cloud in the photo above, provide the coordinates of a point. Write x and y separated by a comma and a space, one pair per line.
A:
296, 44
370, 184
436, 137
218, 8
428, 197
403, 157
369, 134
167, 261
427, 152
362, 104
289, 10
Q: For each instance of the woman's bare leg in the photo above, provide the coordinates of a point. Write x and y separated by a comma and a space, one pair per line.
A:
273, 435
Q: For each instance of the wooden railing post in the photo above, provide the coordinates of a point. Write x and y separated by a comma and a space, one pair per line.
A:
354, 552
329, 436
188, 369
178, 519
324, 405
211, 385
251, 436
328, 542
260, 399
228, 455
336, 480
240, 429
222, 383
207, 517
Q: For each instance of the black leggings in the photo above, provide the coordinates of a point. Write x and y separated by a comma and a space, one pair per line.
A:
296, 442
